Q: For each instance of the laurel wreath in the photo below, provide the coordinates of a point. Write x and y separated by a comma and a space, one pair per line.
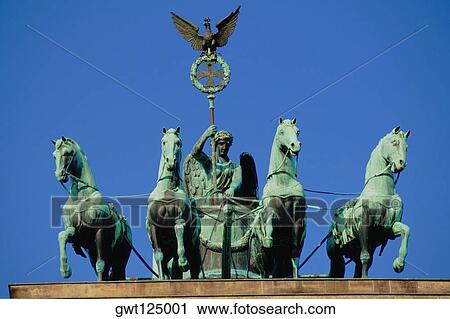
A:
216, 58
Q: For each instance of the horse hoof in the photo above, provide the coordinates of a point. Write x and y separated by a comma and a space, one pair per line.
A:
66, 272
267, 242
158, 255
183, 264
398, 265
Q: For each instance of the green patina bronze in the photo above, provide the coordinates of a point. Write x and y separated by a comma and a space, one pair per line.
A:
198, 166
279, 229
90, 224
212, 180
223, 73
218, 186
209, 41
277, 226
221, 202
375, 216
211, 220
172, 226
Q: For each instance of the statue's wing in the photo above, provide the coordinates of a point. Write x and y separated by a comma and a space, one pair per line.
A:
226, 27
195, 176
249, 187
188, 31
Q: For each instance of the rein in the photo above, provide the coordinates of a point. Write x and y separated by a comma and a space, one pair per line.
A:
81, 181
278, 170
65, 188
66, 172
176, 173
382, 173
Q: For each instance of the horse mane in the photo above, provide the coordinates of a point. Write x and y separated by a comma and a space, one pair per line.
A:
382, 140
74, 145
178, 165
387, 137
275, 156
288, 122
172, 131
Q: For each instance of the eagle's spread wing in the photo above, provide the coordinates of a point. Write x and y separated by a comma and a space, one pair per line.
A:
188, 31
226, 27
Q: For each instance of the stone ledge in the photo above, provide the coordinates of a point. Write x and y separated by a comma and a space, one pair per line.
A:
239, 288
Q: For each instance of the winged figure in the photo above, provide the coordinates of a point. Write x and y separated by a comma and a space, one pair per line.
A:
209, 41
235, 180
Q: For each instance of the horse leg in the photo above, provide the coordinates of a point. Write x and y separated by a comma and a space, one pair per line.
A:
101, 244
123, 261
295, 263
289, 267
364, 257
195, 261
298, 226
193, 251
400, 229
267, 262
92, 253
166, 270
157, 253
179, 233
63, 237
337, 264
358, 268
299, 232
282, 264
174, 269
267, 239
120, 260
295, 255
364, 239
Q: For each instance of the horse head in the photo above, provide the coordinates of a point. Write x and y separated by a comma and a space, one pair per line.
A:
287, 137
65, 157
394, 147
171, 148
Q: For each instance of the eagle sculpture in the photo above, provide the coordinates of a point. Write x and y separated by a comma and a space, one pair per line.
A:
209, 41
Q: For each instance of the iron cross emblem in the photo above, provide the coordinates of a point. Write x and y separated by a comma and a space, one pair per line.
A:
217, 73
210, 74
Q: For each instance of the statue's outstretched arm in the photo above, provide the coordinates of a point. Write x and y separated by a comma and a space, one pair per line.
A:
198, 147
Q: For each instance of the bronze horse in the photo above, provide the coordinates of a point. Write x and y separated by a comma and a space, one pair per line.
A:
172, 226
279, 227
89, 223
375, 216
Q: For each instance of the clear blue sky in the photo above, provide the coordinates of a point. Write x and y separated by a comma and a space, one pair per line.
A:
280, 54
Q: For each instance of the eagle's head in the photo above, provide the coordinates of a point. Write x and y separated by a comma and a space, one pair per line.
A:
206, 22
